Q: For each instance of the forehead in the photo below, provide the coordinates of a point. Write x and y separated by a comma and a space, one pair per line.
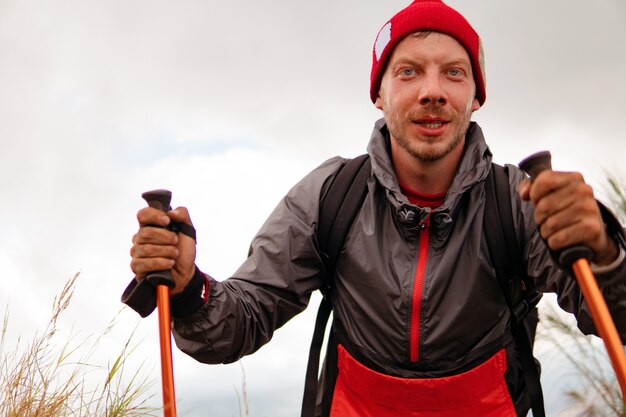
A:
430, 45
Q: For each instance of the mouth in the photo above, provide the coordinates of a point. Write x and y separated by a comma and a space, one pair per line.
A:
431, 126
431, 123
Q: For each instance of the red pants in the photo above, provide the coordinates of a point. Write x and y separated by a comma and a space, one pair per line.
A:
480, 392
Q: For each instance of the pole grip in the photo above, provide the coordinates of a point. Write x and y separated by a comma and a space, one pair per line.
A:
536, 163
533, 166
159, 199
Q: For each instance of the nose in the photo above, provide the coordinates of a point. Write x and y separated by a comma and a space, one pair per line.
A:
432, 91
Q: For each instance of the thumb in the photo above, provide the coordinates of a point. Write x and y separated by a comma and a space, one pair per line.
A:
180, 214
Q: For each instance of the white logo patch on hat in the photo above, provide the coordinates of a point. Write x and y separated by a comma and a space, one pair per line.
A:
382, 40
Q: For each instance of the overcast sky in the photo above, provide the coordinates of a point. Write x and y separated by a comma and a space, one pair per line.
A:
228, 104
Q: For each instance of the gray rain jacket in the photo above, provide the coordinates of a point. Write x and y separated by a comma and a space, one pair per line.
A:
453, 319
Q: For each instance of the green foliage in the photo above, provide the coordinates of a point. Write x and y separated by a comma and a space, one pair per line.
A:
48, 379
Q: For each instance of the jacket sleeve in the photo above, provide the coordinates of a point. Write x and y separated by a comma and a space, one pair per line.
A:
275, 282
550, 277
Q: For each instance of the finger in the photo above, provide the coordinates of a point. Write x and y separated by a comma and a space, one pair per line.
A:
580, 223
155, 235
143, 266
154, 251
149, 216
586, 232
556, 205
566, 193
560, 211
561, 239
548, 182
180, 214
557, 231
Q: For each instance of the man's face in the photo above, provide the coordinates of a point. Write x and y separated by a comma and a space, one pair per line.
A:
427, 96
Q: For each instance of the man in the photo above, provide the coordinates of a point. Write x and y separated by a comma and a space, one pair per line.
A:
420, 324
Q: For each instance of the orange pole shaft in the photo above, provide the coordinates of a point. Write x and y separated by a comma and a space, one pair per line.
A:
167, 368
602, 319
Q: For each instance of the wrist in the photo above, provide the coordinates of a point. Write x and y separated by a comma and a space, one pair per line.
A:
607, 256
181, 284
194, 295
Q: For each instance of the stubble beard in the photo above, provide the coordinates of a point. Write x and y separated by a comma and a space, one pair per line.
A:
421, 148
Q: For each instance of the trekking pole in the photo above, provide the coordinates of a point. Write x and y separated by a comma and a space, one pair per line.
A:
162, 280
577, 258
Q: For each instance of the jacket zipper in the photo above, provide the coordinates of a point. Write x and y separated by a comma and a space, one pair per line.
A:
418, 285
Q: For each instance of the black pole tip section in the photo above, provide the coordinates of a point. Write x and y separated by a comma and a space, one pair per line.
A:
161, 278
158, 199
536, 163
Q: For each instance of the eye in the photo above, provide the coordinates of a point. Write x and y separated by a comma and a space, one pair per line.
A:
455, 72
407, 72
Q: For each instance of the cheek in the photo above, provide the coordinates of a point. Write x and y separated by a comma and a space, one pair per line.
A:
470, 106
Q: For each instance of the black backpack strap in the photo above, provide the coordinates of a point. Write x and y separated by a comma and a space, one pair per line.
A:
518, 289
338, 209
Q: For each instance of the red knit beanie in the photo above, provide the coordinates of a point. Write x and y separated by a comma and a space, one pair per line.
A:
427, 15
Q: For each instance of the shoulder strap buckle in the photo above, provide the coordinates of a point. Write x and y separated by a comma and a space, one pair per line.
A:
525, 305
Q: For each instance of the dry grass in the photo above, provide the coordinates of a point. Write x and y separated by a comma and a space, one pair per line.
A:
242, 400
598, 394
50, 379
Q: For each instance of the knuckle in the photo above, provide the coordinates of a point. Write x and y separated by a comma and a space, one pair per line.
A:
143, 214
553, 242
145, 234
137, 268
559, 240
584, 190
540, 215
595, 228
550, 225
577, 176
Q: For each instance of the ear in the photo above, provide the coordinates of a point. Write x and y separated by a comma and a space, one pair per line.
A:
378, 103
475, 105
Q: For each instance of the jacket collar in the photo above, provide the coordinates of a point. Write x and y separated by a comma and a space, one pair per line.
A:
474, 167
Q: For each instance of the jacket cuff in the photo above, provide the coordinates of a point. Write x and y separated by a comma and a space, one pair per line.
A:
194, 296
140, 296
602, 269
612, 274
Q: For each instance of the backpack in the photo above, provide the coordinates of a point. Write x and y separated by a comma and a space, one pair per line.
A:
338, 209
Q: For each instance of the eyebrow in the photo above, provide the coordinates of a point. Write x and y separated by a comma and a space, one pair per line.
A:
452, 62
460, 61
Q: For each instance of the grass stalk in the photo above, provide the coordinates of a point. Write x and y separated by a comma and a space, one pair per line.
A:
46, 378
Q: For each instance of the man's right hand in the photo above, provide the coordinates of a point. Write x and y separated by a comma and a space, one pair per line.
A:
157, 249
